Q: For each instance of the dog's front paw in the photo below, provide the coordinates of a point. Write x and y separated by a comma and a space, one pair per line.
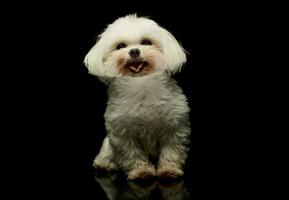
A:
141, 173
169, 170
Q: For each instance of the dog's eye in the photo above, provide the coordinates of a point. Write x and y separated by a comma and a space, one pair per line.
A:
146, 42
120, 46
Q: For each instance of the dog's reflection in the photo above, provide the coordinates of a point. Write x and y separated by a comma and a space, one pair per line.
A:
117, 187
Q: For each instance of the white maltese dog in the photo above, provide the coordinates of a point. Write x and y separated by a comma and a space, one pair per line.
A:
147, 114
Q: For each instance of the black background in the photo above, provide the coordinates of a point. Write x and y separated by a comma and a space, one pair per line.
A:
58, 108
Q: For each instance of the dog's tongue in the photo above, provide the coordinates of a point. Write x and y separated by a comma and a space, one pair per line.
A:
136, 67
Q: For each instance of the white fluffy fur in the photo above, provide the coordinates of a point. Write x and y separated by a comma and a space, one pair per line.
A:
146, 116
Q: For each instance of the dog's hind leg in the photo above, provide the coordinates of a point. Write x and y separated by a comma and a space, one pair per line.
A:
104, 159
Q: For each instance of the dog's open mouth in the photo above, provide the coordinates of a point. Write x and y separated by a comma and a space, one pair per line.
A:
136, 66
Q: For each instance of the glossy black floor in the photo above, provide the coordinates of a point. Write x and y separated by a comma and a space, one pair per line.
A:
116, 186
90, 184
117, 189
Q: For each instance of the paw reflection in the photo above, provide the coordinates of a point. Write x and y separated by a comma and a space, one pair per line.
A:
117, 187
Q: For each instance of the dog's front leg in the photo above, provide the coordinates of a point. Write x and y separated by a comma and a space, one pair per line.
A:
173, 153
131, 158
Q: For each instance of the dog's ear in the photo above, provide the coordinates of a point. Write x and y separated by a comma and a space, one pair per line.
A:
174, 53
94, 62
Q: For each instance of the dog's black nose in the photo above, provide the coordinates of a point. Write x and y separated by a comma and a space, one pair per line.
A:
134, 53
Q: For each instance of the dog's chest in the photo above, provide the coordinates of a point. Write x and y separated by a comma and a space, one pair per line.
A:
145, 98
143, 103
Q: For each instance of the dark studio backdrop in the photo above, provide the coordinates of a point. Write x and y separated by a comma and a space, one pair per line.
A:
60, 106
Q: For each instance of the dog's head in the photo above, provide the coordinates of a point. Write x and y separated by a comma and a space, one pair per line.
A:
134, 46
